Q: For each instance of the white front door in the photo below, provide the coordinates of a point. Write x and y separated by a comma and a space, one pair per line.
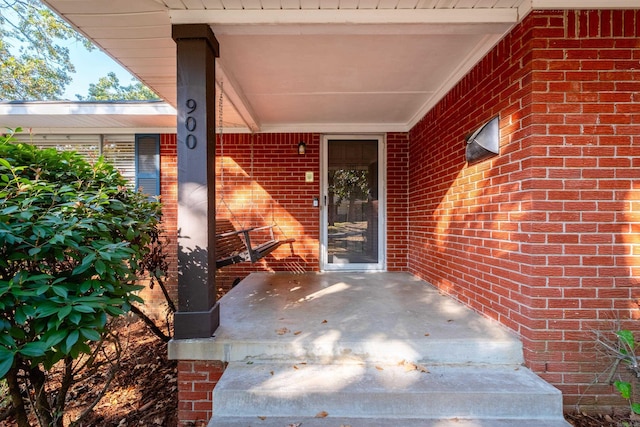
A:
353, 203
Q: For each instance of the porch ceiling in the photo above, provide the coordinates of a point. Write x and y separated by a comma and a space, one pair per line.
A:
313, 65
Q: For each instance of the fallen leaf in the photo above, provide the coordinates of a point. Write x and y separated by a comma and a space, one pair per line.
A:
297, 332
282, 331
427, 334
295, 425
271, 373
324, 321
423, 369
410, 366
323, 414
379, 368
295, 367
345, 425
262, 418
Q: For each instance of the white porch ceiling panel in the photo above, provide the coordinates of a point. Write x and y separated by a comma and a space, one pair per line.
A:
313, 65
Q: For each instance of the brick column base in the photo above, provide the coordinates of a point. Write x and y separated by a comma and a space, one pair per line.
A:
196, 380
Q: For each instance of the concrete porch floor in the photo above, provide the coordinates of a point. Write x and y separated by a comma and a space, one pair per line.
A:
385, 317
364, 350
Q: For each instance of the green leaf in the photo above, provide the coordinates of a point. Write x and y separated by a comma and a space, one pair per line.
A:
61, 291
635, 407
100, 267
6, 361
82, 308
19, 316
9, 209
37, 278
42, 289
90, 334
624, 388
72, 339
55, 337
33, 349
85, 265
46, 309
64, 311
626, 337
74, 317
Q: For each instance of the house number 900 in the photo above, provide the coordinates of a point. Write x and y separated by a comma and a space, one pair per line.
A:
190, 124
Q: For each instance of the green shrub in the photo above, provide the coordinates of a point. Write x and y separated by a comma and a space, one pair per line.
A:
72, 241
626, 352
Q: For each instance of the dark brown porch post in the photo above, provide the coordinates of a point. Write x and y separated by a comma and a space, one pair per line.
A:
198, 313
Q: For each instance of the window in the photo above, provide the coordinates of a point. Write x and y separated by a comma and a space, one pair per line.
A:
148, 164
137, 157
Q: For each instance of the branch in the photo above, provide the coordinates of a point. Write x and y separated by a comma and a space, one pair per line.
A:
115, 366
151, 324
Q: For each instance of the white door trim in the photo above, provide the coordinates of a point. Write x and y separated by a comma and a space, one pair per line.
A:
381, 265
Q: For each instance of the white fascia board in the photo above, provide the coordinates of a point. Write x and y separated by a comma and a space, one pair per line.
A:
55, 108
341, 128
351, 16
360, 29
99, 131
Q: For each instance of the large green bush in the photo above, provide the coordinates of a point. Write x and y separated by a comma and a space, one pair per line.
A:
72, 241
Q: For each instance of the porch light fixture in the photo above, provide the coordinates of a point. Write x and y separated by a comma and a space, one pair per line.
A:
302, 148
484, 143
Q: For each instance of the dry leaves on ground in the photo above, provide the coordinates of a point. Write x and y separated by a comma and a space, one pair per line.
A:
143, 392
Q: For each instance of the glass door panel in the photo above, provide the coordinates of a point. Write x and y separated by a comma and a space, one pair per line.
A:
352, 204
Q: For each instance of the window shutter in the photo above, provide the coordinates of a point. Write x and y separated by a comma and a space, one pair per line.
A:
148, 164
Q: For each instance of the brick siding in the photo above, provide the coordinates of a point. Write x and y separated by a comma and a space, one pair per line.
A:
542, 238
196, 380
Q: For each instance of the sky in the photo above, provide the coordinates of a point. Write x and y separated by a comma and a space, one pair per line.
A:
90, 66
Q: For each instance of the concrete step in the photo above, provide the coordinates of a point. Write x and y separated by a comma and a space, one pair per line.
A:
379, 392
327, 349
388, 422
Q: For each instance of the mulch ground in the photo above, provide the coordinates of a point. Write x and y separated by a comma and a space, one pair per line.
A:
587, 420
144, 391
142, 394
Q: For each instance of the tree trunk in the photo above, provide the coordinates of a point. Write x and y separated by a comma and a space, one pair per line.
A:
16, 398
61, 398
42, 407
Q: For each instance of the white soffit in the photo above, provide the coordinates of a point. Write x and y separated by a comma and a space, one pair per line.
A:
88, 117
314, 65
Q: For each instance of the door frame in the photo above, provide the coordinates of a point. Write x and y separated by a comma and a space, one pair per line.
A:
381, 265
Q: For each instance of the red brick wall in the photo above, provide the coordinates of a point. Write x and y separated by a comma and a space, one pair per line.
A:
543, 237
271, 189
397, 200
196, 380
274, 190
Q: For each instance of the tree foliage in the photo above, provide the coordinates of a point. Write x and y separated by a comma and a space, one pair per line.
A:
73, 239
109, 89
35, 63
